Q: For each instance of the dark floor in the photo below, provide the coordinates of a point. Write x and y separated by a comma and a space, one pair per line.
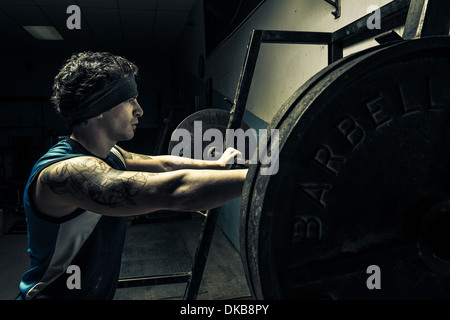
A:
223, 277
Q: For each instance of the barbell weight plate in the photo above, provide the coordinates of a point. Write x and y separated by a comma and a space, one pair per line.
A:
364, 155
283, 112
211, 118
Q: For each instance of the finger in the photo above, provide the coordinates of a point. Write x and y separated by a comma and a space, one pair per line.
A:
235, 154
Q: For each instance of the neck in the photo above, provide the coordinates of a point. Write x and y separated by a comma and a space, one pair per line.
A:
92, 140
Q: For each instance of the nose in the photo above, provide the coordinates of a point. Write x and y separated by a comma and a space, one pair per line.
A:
138, 112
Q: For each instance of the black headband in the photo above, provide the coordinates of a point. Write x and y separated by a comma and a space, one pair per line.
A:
114, 93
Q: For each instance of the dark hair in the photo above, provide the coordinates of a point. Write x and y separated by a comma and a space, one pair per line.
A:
85, 73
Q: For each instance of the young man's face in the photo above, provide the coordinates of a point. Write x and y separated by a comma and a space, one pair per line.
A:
121, 121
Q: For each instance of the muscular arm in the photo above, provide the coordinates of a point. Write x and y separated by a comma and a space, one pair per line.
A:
90, 184
139, 162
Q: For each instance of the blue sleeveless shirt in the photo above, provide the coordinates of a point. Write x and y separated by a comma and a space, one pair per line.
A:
85, 239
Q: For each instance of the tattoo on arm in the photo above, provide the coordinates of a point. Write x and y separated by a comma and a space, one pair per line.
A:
90, 178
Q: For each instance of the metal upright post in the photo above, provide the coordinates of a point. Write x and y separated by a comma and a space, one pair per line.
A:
236, 116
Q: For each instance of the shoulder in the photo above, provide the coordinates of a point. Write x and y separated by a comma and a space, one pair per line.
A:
118, 158
81, 166
125, 154
61, 185
69, 176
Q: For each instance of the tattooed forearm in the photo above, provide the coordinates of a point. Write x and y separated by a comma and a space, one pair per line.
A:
92, 179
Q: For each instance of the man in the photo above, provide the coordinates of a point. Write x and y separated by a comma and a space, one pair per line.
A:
81, 191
